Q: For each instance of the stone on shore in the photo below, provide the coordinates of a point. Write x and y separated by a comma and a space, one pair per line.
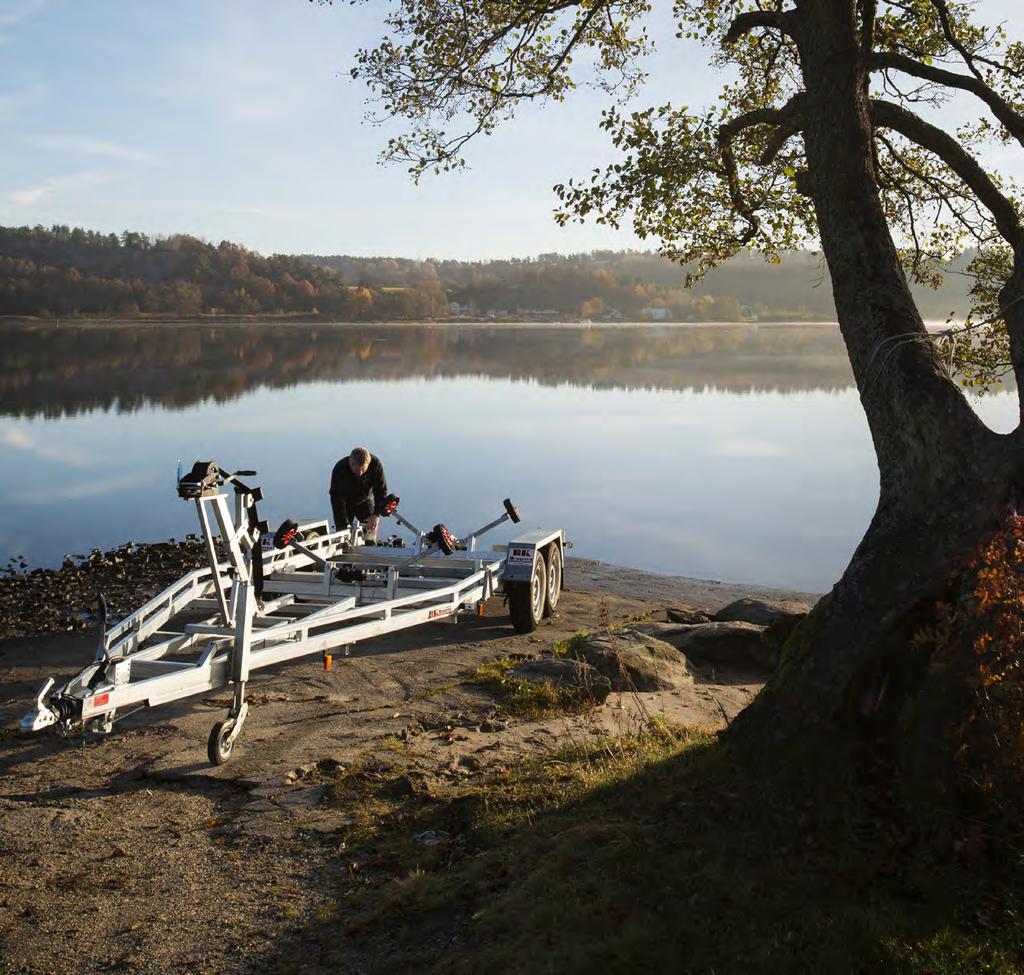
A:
761, 612
634, 660
687, 614
727, 644
565, 674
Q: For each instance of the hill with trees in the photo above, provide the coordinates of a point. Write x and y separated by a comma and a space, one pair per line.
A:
66, 272
630, 285
70, 272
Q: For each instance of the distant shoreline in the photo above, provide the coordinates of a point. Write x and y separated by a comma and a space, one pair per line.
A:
307, 322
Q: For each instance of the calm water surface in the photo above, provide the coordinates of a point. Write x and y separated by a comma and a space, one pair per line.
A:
735, 452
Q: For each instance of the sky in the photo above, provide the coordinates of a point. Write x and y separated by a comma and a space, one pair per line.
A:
236, 120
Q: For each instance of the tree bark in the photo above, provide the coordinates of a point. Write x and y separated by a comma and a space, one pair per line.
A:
943, 476
1011, 303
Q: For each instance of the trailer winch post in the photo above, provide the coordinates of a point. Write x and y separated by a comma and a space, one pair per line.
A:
211, 555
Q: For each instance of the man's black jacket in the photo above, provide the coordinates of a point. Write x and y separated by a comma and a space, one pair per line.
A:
350, 491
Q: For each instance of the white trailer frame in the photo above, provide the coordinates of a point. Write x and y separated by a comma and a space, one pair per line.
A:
259, 608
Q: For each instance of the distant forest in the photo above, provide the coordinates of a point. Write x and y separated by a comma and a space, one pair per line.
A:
70, 272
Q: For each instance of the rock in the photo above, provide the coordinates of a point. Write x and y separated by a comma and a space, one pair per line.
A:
564, 673
779, 616
662, 631
686, 614
727, 644
761, 612
302, 798
634, 660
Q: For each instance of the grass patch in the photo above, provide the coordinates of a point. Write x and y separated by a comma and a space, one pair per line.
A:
665, 852
569, 646
529, 699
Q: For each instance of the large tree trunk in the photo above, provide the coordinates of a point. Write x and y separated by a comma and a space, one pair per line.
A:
943, 476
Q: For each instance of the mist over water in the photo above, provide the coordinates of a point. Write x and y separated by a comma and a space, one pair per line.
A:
734, 452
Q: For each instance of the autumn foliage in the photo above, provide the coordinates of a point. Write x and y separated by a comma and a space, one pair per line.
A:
981, 638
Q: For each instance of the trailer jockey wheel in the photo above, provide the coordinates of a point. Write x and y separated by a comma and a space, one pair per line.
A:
288, 530
443, 539
218, 748
390, 503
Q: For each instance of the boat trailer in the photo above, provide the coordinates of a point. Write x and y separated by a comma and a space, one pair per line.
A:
266, 599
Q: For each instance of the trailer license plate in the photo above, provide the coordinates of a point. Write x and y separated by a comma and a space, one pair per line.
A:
521, 555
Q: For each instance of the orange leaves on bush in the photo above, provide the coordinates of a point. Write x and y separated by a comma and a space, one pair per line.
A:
988, 623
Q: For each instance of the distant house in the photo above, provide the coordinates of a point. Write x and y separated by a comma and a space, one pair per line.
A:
655, 314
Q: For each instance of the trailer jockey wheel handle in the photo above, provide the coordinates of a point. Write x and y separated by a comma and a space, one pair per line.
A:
286, 533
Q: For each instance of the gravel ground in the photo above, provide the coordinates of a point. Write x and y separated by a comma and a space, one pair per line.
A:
132, 854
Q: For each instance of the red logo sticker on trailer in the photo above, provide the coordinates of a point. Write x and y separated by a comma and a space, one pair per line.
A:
99, 700
435, 613
521, 555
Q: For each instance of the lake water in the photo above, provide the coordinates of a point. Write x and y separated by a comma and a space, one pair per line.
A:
733, 452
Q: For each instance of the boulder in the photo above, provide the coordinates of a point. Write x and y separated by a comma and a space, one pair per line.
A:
565, 674
733, 644
687, 614
634, 660
761, 612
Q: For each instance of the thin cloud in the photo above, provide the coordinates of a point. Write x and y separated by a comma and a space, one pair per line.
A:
96, 147
14, 12
749, 448
17, 438
53, 185
77, 490
18, 101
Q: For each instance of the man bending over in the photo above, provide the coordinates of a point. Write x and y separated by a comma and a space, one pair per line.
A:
359, 490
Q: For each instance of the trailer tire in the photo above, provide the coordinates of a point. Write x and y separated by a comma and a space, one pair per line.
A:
554, 578
526, 600
218, 748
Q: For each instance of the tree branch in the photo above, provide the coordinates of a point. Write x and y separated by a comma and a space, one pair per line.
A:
746, 22
961, 162
784, 117
1012, 121
947, 28
785, 131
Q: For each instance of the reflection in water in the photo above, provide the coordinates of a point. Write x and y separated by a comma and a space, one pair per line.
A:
63, 371
723, 452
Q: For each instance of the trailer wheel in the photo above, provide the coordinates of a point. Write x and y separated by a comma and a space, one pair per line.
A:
554, 580
526, 599
218, 748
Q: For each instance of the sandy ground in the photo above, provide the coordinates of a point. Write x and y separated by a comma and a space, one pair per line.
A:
131, 853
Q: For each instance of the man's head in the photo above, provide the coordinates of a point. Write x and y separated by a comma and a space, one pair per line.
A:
359, 460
